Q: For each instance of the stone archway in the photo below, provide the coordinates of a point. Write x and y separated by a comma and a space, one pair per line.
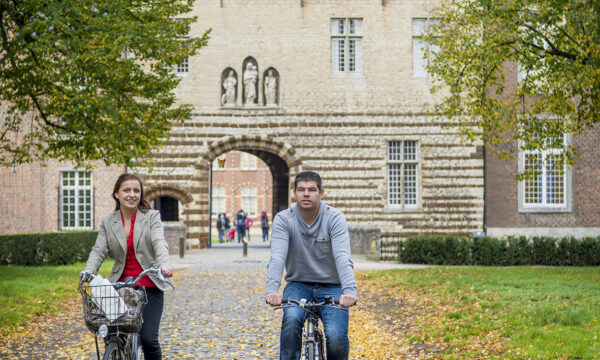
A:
155, 190
279, 156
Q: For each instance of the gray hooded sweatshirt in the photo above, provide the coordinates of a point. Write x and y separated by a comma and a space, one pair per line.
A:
319, 253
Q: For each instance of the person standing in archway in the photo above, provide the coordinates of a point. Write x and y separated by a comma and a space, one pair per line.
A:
249, 223
226, 224
264, 225
311, 239
220, 227
240, 225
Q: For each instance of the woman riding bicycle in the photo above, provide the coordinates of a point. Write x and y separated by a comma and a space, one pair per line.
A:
135, 237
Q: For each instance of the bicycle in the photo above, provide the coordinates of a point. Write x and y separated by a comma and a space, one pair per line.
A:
313, 340
113, 311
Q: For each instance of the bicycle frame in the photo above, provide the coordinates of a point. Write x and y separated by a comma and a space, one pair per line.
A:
312, 342
312, 336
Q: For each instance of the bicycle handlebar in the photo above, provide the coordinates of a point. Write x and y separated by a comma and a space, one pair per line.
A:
86, 276
303, 303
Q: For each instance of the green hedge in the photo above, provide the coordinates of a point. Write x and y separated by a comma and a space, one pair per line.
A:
493, 251
59, 248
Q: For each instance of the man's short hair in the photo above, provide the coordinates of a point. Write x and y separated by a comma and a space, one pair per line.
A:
308, 176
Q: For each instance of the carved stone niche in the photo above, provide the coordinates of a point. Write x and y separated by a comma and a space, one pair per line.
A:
250, 82
229, 81
271, 87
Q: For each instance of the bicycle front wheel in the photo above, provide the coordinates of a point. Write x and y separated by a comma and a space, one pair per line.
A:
308, 352
113, 352
135, 347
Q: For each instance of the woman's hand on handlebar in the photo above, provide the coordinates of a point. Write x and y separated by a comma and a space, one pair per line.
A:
167, 271
273, 299
86, 275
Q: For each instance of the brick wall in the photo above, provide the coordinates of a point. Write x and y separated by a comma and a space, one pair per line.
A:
502, 191
29, 196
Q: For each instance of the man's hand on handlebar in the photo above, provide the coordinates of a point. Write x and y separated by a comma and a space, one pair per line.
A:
273, 299
347, 300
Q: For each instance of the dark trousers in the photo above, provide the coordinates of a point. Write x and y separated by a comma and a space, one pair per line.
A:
152, 314
241, 231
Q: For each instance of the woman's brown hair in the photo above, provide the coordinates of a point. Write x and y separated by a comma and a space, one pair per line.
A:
143, 205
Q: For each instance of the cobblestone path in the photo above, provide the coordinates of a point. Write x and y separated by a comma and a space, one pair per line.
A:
218, 312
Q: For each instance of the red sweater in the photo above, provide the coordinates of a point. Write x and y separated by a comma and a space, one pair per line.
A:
132, 265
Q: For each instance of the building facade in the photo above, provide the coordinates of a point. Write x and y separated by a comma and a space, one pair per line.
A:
337, 87
55, 197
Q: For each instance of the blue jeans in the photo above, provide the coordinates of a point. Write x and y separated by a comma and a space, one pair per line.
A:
335, 321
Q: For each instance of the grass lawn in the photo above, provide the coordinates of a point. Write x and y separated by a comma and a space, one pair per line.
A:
501, 312
27, 291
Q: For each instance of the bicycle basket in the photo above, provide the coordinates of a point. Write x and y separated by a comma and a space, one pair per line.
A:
101, 304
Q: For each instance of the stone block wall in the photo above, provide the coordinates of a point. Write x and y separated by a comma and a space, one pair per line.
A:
173, 232
336, 124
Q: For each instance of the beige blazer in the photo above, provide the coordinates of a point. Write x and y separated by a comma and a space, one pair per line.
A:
151, 248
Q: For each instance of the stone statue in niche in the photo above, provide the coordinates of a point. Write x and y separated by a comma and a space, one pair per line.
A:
228, 98
271, 89
250, 79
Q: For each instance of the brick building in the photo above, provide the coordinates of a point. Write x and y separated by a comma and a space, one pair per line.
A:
554, 203
337, 87
333, 86
56, 196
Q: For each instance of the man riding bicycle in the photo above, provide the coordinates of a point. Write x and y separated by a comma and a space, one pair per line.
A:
311, 238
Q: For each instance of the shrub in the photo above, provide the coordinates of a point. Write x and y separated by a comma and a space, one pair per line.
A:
492, 251
58, 248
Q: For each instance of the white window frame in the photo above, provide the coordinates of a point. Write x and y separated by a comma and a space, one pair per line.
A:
544, 206
76, 212
183, 67
419, 27
398, 161
248, 162
219, 198
350, 33
250, 200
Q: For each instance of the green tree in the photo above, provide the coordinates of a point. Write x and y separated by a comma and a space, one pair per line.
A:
553, 43
88, 80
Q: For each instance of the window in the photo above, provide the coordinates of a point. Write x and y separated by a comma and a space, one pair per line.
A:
182, 68
218, 200
219, 163
76, 200
248, 161
249, 200
346, 45
402, 164
548, 188
420, 26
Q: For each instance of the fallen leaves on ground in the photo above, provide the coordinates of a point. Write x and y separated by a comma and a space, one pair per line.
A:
218, 312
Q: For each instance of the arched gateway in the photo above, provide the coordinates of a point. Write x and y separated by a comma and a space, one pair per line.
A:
279, 156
